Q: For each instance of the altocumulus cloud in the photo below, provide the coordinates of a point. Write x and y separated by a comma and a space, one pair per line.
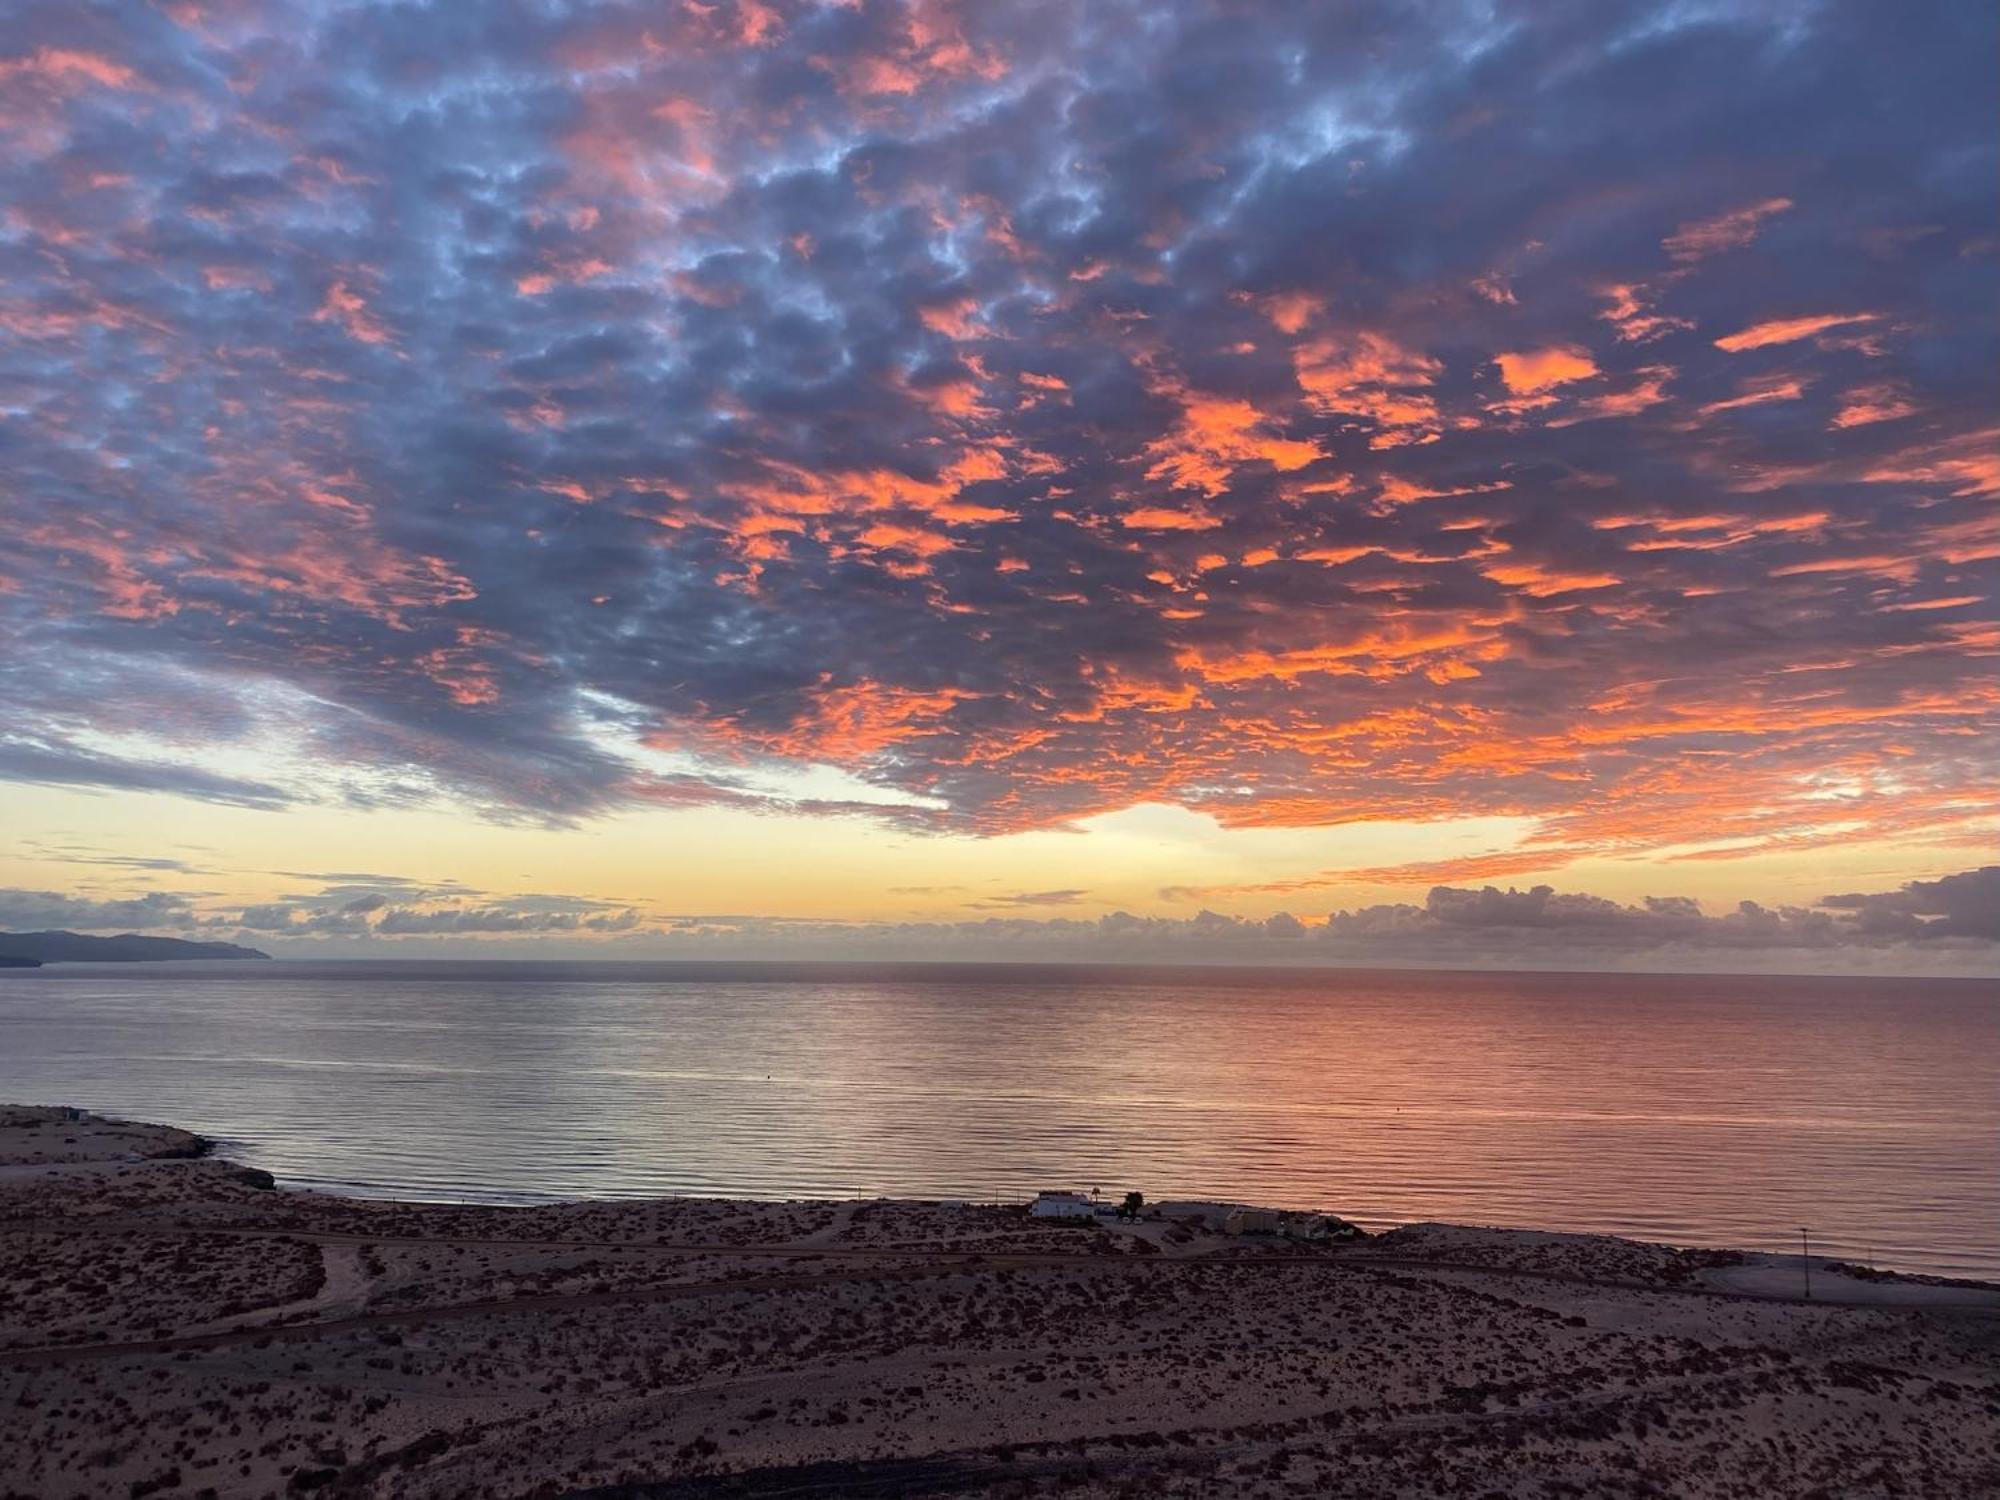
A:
1032, 409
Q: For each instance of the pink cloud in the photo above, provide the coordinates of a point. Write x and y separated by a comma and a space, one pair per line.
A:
349, 309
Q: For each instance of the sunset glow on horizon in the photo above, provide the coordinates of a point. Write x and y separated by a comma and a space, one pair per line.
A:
1189, 479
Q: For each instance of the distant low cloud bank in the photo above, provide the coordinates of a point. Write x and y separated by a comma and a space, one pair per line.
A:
1964, 905
1949, 925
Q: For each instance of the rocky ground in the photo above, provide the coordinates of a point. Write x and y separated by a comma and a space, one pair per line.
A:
168, 1326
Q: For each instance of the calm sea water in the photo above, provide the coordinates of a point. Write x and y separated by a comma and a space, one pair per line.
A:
1698, 1110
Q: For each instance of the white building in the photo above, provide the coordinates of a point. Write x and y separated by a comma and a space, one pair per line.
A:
1061, 1204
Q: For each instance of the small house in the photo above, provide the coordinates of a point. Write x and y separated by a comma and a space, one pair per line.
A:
1061, 1204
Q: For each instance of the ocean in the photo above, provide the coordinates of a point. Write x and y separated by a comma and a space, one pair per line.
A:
1705, 1110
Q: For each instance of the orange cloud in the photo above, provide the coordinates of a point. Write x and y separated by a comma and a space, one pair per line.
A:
1379, 651
1710, 533
1532, 371
1396, 490
915, 540
1158, 518
1969, 464
1289, 312
1883, 564
1788, 330
459, 669
1535, 579
1867, 404
1370, 375
847, 725
1649, 390
1630, 312
1760, 392
796, 491
1329, 368
1467, 867
1730, 231
958, 319
1213, 436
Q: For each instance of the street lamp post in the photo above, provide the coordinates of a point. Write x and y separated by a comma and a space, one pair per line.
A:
1805, 1259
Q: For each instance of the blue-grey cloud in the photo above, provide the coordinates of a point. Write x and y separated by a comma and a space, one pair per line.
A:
1963, 905
24, 910
68, 765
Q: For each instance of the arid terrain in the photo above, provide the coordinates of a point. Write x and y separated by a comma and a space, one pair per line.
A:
171, 1325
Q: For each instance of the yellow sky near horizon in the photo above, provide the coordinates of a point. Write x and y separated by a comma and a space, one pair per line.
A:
719, 861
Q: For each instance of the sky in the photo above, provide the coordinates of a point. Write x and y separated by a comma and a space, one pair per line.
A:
1378, 482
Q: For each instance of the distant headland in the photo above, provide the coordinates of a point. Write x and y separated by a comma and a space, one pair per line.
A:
32, 949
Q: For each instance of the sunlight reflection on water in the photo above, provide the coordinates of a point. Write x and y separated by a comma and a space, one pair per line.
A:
1697, 1109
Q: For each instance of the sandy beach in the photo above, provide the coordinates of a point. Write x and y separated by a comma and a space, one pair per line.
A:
172, 1324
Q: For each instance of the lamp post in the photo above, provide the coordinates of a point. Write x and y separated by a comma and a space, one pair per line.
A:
1805, 1259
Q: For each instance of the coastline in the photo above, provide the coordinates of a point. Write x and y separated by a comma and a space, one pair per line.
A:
694, 1346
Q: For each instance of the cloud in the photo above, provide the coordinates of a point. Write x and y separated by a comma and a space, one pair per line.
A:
1864, 404
1033, 898
72, 855
1539, 927
1962, 905
1728, 231
1031, 410
57, 764
1535, 370
1788, 330
401, 921
25, 911
367, 879
1946, 925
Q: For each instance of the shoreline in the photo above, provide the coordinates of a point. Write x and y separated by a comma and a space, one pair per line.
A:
178, 1144
352, 1346
363, 1192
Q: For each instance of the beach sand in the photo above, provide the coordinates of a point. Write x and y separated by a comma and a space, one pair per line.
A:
171, 1325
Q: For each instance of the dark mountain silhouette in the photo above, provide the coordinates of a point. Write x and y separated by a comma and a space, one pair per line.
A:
127, 947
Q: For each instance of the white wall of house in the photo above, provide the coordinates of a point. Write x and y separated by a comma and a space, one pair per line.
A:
1060, 1206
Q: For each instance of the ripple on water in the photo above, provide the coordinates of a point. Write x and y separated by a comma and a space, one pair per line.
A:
1710, 1110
